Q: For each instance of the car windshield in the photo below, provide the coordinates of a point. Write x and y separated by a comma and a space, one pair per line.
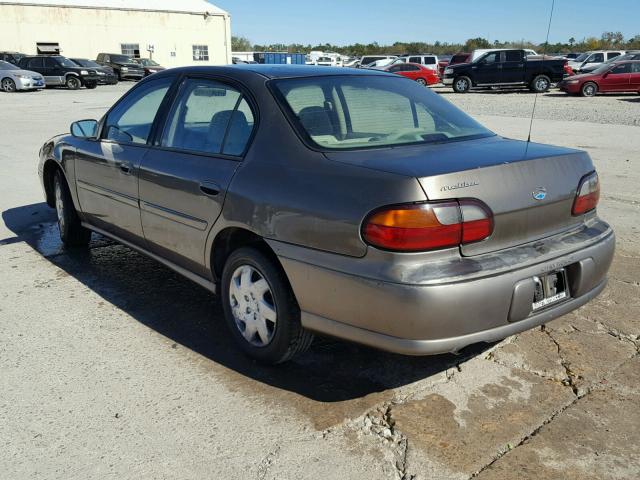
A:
65, 62
86, 63
121, 59
7, 66
602, 68
582, 57
147, 62
347, 112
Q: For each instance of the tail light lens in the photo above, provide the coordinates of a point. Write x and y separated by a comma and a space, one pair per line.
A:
567, 69
428, 226
588, 194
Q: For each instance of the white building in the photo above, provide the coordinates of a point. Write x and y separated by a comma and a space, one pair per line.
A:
172, 32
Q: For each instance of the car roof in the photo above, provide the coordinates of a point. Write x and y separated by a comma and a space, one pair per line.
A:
279, 71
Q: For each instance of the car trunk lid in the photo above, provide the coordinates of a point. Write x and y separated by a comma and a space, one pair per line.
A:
530, 188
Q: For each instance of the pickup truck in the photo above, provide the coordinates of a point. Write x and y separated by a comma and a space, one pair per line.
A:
508, 68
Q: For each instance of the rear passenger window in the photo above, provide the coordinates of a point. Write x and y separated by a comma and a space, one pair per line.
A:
612, 55
208, 117
429, 60
415, 60
513, 56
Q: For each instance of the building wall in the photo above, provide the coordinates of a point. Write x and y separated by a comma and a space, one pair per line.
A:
85, 32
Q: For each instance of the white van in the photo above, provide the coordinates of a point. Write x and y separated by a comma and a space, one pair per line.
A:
593, 59
477, 53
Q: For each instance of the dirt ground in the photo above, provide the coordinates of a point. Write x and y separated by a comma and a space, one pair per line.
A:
111, 366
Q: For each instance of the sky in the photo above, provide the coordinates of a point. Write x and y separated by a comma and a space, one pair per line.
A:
387, 21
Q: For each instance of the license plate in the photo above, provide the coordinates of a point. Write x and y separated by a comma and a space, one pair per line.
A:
550, 288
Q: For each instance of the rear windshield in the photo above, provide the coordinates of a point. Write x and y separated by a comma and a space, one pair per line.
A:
121, 59
348, 112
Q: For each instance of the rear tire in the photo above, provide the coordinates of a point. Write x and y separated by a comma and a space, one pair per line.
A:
260, 308
72, 233
461, 84
589, 89
540, 84
73, 83
421, 81
8, 85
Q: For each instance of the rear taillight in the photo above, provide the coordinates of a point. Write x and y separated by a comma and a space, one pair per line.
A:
567, 69
588, 194
428, 226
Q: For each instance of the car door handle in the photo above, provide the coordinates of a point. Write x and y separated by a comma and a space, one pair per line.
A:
126, 167
210, 189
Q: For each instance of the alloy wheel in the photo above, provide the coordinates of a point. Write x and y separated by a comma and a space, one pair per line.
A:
421, 81
8, 85
589, 90
59, 205
462, 84
542, 84
252, 305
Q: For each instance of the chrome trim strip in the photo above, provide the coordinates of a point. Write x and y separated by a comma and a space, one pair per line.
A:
174, 215
203, 282
105, 192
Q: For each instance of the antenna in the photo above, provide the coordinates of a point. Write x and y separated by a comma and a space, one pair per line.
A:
544, 54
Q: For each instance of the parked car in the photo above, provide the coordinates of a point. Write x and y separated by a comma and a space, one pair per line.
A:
367, 60
307, 221
479, 52
593, 59
328, 62
631, 55
150, 66
420, 73
60, 71
615, 77
11, 57
13, 78
106, 75
429, 61
510, 68
124, 66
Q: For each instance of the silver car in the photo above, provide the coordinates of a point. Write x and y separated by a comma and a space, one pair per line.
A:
13, 78
349, 203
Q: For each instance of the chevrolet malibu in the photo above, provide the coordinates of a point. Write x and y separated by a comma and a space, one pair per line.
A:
350, 203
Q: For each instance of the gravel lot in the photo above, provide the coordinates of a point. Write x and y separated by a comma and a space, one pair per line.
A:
617, 109
111, 366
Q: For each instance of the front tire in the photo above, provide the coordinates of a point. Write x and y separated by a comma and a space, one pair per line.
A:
8, 85
260, 308
540, 84
72, 233
462, 85
73, 83
589, 89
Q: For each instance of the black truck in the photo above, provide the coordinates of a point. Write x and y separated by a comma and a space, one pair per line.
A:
506, 68
60, 71
123, 66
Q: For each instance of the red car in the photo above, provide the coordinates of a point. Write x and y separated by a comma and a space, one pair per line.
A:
610, 77
415, 71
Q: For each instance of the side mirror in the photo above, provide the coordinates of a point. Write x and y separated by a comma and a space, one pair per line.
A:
84, 129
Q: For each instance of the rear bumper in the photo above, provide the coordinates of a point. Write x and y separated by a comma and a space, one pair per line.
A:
457, 303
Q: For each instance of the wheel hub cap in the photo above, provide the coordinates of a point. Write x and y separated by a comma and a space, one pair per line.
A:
252, 305
59, 206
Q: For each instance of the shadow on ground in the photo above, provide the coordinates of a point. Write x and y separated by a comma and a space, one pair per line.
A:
331, 371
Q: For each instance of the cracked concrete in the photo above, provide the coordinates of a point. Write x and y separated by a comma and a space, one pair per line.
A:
112, 366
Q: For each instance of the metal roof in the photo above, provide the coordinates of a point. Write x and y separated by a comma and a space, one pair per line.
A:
182, 6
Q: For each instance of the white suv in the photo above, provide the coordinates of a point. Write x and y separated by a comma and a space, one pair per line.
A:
429, 61
593, 58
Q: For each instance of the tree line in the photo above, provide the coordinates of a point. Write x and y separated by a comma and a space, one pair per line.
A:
608, 40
